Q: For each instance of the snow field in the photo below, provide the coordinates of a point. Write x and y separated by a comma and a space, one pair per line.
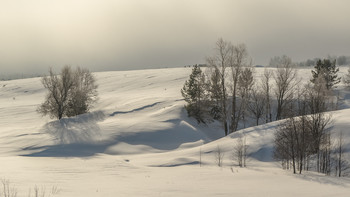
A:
138, 141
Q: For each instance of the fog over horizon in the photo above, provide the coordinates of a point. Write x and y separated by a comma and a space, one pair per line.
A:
137, 34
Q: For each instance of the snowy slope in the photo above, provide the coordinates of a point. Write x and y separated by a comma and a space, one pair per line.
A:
138, 141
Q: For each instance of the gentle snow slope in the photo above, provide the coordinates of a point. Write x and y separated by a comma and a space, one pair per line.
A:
138, 141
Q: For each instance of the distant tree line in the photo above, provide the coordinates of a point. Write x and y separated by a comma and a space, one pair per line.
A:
7, 77
340, 60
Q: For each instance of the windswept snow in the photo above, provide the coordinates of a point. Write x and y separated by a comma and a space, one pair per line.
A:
138, 141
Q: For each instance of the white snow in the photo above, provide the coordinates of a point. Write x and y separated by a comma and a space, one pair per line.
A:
138, 141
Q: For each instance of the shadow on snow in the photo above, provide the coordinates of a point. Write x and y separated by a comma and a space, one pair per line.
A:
79, 137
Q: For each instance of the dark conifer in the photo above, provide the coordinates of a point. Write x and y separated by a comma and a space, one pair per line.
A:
328, 71
193, 92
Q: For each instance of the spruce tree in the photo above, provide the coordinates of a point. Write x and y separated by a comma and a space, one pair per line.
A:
328, 71
215, 94
194, 92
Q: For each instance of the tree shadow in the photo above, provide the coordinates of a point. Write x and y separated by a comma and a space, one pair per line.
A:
76, 138
80, 129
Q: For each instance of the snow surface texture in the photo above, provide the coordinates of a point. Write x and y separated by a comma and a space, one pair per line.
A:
138, 141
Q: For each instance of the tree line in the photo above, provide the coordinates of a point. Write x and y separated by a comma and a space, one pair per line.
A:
341, 60
228, 91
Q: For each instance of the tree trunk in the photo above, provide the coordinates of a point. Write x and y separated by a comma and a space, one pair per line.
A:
233, 113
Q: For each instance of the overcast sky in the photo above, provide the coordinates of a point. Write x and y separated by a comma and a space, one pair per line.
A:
132, 34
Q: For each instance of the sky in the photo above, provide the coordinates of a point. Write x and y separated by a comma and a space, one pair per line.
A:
138, 34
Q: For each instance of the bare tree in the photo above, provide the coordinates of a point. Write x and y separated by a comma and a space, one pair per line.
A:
7, 189
341, 164
297, 138
219, 156
84, 92
238, 59
257, 103
220, 62
240, 151
59, 88
245, 84
70, 93
301, 101
285, 79
285, 144
234, 57
267, 86
320, 143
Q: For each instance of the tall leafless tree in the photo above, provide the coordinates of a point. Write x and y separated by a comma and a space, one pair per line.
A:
257, 103
240, 152
219, 156
245, 84
341, 163
238, 59
286, 81
220, 62
267, 88
285, 144
319, 129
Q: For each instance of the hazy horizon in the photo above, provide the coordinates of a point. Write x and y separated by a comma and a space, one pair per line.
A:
136, 34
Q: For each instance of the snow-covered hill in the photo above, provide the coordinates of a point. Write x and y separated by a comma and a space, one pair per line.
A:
138, 141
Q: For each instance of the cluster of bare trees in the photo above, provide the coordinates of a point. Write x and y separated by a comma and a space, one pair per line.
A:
299, 139
230, 93
341, 164
233, 58
305, 143
238, 155
228, 90
69, 94
240, 152
7, 189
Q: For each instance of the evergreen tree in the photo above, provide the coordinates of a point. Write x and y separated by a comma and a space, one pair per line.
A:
194, 92
215, 94
328, 70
